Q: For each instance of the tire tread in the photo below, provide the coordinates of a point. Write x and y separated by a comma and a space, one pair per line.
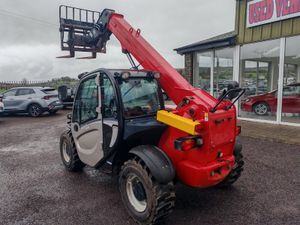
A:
76, 164
235, 172
164, 194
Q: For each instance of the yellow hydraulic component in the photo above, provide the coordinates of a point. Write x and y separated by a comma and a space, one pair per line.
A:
179, 122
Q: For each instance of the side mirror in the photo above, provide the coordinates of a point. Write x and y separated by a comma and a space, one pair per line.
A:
1, 97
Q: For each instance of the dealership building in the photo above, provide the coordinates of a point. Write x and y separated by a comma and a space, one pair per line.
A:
262, 54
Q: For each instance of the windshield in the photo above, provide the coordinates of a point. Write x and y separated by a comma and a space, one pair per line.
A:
139, 96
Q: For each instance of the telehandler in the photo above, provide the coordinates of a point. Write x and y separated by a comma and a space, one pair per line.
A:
119, 120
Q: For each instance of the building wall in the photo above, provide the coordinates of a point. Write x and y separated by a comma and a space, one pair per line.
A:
188, 67
274, 30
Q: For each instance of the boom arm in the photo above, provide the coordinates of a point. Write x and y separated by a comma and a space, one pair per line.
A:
171, 81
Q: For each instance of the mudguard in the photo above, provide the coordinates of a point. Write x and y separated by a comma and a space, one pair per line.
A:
157, 161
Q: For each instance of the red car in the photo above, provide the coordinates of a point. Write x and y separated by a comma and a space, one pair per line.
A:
264, 103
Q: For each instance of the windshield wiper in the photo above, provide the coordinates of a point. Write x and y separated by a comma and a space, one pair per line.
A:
133, 86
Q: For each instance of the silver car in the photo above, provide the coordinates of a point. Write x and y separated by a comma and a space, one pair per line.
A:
1, 107
32, 100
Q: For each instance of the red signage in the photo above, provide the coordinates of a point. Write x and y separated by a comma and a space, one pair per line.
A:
267, 11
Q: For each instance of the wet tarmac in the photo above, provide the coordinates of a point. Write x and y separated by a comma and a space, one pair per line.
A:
36, 189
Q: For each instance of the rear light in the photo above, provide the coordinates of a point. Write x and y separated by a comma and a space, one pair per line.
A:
187, 143
47, 97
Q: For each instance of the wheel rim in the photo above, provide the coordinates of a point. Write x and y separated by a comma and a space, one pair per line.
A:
66, 152
35, 110
261, 109
136, 193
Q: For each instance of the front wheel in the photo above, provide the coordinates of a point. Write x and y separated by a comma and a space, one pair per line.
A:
237, 169
147, 201
68, 152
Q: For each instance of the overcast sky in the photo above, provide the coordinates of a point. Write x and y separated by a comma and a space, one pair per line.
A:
29, 38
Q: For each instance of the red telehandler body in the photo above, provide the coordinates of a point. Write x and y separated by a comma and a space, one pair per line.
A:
119, 120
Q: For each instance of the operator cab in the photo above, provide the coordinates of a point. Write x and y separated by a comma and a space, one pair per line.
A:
115, 109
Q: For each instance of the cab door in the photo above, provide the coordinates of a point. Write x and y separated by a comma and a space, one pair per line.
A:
87, 121
110, 113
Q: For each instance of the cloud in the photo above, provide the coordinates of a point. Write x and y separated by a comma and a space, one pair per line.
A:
39, 62
29, 42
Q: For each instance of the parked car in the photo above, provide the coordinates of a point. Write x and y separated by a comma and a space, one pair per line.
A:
1, 107
264, 103
66, 95
32, 100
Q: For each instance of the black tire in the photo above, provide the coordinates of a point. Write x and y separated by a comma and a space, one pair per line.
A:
237, 169
261, 108
154, 201
68, 152
35, 110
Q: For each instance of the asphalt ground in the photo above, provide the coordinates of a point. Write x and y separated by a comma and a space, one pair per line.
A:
36, 189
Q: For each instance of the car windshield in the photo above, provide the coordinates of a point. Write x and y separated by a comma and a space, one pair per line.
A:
139, 96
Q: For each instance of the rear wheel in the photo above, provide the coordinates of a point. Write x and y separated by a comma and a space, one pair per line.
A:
236, 170
34, 110
147, 201
68, 152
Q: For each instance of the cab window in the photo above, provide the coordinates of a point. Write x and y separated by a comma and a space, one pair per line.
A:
140, 97
86, 102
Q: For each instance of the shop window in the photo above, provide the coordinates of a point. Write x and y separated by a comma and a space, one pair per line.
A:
202, 70
291, 82
259, 65
223, 69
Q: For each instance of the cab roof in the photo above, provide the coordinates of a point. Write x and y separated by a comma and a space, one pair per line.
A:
116, 72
